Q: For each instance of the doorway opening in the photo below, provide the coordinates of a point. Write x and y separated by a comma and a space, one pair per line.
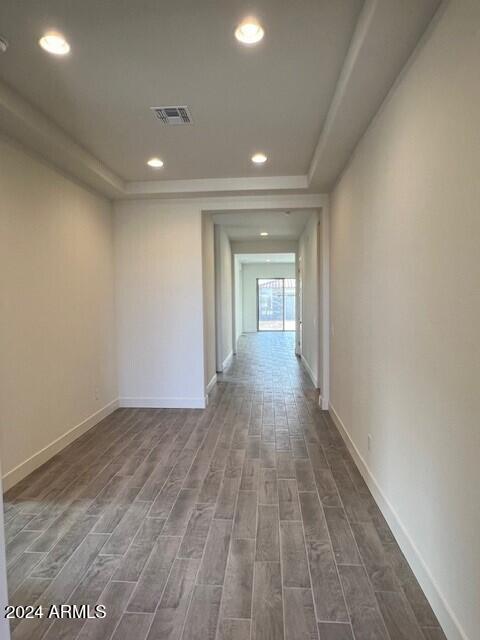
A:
276, 308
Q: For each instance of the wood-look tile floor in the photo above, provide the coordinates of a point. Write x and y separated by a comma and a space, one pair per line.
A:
247, 520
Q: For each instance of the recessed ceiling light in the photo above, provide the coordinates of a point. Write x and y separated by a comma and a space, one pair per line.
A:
54, 43
264, 233
259, 158
268, 260
156, 163
249, 31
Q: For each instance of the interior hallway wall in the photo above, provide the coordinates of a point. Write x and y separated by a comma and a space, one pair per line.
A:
405, 313
308, 247
223, 297
250, 274
208, 280
57, 323
238, 300
159, 302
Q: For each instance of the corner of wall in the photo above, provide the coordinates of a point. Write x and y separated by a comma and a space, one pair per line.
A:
30, 464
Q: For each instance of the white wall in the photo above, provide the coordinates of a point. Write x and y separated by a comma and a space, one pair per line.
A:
308, 264
208, 280
223, 297
238, 300
405, 311
265, 245
251, 272
57, 325
159, 302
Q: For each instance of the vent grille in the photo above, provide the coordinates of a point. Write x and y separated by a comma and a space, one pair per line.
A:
173, 115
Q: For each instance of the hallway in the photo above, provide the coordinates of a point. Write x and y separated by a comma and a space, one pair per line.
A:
245, 520
266, 360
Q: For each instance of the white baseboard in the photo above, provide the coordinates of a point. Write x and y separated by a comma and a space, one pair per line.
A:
24, 468
323, 402
209, 387
211, 384
448, 620
227, 361
163, 403
309, 371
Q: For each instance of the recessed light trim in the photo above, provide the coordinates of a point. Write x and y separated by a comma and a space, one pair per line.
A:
264, 233
155, 163
54, 43
249, 31
259, 158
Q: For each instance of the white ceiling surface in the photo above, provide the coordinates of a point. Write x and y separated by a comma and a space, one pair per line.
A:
259, 258
279, 225
129, 56
304, 95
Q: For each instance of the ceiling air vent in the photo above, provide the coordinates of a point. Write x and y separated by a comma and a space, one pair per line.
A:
173, 115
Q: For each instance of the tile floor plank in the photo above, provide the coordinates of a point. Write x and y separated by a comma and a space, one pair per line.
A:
335, 631
212, 569
250, 475
88, 592
268, 547
367, 623
177, 521
300, 623
170, 615
61, 587
229, 629
245, 521
123, 534
327, 592
227, 497
202, 616
149, 588
20, 569
267, 620
238, 586
313, 518
379, 571
289, 506
268, 491
132, 625
294, 559
344, 545
398, 616
114, 599
304, 475
421, 608
196, 533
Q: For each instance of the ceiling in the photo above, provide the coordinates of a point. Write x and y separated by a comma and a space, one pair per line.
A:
304, 95
134, 55
258, 258
247, 225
